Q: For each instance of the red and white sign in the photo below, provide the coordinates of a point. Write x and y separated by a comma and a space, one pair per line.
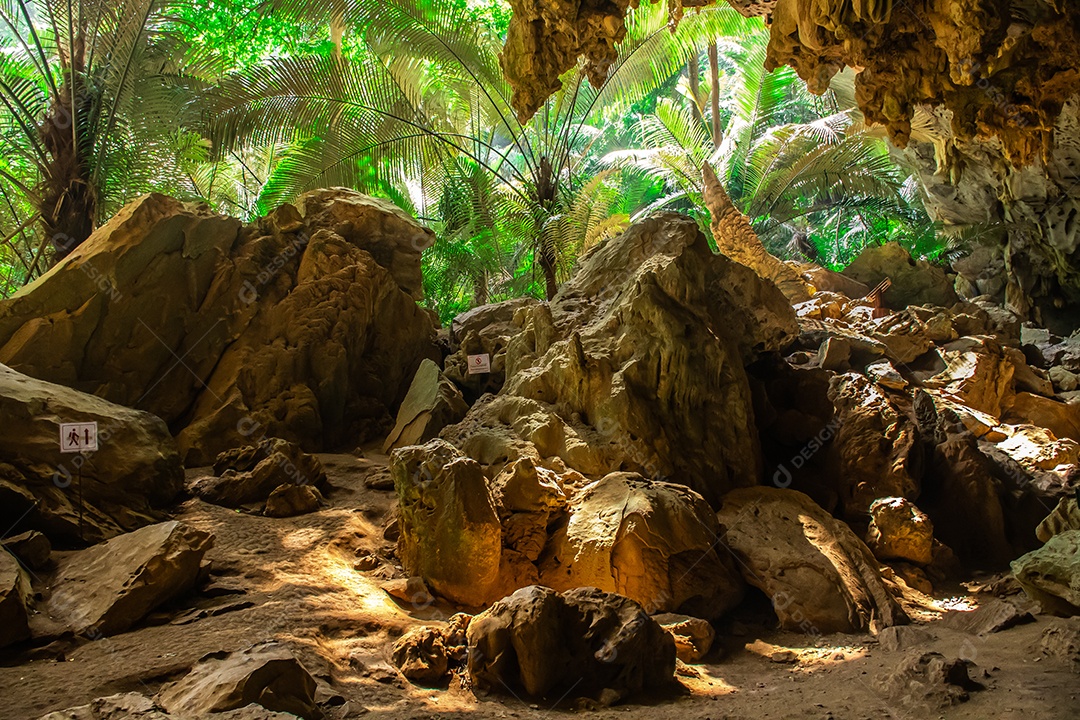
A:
479, 364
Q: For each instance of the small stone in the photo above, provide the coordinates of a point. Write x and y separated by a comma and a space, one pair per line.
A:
884, 374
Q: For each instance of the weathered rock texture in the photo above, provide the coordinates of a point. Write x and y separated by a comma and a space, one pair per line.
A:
585, 641
1051, 574
652, 542
266, 674
109, 587
818, 574
301, 325
432, 403
123, 485
14, 592
450, 533
252, 473
638, 365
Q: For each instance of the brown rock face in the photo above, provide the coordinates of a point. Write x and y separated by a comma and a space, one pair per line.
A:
125, 484
638, 364
450, 533
302, 325
109, 587
14, 591
818, 574
266, 674
585, 641
655, 543
900, 531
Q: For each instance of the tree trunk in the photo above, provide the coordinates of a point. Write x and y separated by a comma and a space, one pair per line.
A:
714, 95
68, 202
693, 71
547, 264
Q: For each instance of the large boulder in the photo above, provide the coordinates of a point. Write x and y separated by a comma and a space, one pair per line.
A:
107, 588
819, 575
124, 485
432, 403
914, 282
653, 542
638, 364
1051, 574
450, 532
585, 641
301, 325
266, 674
14, 591
900, 531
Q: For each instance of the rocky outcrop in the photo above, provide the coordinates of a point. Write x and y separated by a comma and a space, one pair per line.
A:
584, 641
900, 531
266, 674
911, 282
109, 587
655, 543
123, 485
301, 325
432, 403
1051, 574
14, 592
252, 473
818, 574
450, 532
735, 238
638, 364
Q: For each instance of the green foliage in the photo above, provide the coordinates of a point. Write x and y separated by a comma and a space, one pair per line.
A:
246, 104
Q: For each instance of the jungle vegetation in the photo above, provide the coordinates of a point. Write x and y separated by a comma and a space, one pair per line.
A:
245, 104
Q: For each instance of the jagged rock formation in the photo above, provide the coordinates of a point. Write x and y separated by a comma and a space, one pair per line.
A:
127, 483
302, 325
637, 365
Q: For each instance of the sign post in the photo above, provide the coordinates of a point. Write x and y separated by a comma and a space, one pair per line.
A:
79, 438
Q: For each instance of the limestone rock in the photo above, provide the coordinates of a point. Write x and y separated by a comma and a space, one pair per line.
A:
884, 374
1065, 516
421, 656
583, 641
736, 239
638, 364
266, 674
384, 230
431, 404
693, 636
14, 592
877, 446
305, 328
107, 588
978, 373
990, 617
31, 548
1051, 574
450, 532
249, 474
527, 497
124, 484
819, 576
291, 500
484, 330
914, 282
929, 679
653, 542
900, 531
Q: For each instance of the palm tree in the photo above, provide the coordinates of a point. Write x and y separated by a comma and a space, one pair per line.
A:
423, 91
811, 176
90, 96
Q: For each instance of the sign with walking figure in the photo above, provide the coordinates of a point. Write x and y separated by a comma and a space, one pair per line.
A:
78, 437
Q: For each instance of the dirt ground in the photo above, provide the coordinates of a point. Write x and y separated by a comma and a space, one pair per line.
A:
313, 583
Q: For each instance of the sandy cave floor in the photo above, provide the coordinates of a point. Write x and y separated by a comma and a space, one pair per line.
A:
296, 580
